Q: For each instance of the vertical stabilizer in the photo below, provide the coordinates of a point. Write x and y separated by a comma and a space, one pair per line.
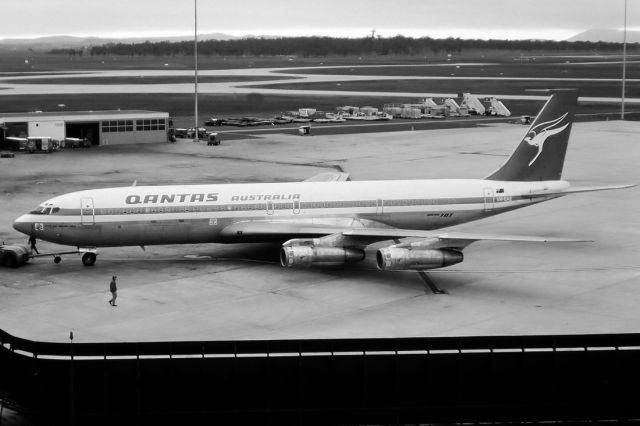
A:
540, 154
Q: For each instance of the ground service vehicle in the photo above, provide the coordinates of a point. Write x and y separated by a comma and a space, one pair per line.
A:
213, 138
13, 255
202, 133
213, 122
40, 144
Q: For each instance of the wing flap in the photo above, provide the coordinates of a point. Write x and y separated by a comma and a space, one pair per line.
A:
412, 233
284, 230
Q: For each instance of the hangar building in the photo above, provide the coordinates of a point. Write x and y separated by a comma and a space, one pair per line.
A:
100, 127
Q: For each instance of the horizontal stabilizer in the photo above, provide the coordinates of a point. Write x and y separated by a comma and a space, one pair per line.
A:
329, 177
577, 190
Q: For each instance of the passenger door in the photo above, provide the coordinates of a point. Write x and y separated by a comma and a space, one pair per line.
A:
488, 199
87, 211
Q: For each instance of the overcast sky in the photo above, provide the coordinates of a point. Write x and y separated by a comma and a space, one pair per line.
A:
512, 19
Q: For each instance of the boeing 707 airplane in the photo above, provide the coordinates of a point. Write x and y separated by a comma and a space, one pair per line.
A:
327, 219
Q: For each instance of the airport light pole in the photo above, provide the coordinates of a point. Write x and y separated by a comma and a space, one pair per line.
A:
624, 60
195, 56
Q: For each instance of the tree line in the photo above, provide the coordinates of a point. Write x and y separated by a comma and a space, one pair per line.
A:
331, 46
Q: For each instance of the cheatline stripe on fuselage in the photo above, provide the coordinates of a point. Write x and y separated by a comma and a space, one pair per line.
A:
394, 205
435, 213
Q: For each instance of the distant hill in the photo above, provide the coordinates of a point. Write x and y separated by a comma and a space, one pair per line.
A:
73, 42
609, 35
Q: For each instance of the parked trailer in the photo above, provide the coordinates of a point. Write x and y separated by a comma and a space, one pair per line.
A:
13, 256
75, 143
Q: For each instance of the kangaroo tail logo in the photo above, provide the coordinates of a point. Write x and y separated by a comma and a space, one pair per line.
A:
539, 134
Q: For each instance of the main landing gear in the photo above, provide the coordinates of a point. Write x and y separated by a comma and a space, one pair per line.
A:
89, 258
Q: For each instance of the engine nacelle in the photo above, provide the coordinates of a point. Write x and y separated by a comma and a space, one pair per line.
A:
396, 258
301, 255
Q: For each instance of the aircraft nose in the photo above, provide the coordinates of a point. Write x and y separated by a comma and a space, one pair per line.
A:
21, 224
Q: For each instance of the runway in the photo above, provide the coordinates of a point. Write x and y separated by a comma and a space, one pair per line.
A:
208, 292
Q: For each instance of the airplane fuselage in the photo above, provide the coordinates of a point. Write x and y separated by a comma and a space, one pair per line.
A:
147, 215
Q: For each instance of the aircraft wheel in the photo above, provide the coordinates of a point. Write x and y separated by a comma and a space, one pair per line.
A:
89, 259
56, 259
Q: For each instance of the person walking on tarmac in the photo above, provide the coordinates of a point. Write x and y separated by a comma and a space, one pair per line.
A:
114, 291
32, 243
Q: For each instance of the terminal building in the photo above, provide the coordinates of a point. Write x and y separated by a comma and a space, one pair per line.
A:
99, 127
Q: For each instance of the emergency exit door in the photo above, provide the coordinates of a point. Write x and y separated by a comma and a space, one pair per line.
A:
87, 211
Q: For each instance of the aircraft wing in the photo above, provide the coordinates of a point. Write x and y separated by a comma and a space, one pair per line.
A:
457, 240
576, 190
361, 236
329, 177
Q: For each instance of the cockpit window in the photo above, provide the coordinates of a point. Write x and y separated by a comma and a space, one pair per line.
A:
45, 210
41, 210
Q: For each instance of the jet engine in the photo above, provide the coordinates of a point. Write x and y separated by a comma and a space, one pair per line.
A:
397, 258
307, 255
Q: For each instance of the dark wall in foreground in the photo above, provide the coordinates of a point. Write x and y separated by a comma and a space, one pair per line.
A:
358, 381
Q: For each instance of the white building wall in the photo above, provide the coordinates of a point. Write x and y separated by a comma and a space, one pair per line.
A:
144, 136
53, 129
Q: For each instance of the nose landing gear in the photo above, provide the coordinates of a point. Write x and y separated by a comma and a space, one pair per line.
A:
89, 255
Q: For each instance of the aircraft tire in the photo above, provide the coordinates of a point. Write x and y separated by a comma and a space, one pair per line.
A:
89, 259
56, 259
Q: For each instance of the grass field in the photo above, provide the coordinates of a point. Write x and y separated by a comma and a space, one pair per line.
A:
15, 61
34, 61
574, 69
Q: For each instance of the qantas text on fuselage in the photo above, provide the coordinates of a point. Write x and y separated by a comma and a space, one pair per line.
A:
202, 198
